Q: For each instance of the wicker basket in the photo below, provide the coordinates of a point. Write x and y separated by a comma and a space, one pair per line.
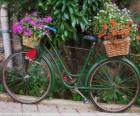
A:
117, 47
30, 42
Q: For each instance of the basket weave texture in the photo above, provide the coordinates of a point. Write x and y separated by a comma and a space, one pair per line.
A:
117, 47
30, 42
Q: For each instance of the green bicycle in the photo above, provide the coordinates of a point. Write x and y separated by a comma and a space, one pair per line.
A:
112, 84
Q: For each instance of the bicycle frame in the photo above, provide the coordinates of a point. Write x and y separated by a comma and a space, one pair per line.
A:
78, 75
77, 85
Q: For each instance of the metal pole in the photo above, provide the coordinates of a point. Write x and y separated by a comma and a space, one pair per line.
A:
5, 29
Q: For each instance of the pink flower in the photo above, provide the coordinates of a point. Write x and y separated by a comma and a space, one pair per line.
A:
27, 32
65, 78
40, 26
21, 21
46, 32
34, 14
27, 18
33, 23
48, 19
17, 28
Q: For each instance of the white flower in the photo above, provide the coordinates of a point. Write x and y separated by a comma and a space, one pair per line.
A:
135, 25
96, 17
114, 4
102, 11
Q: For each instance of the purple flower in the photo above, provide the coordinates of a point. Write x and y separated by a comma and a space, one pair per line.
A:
22, 21
27, 32
17, 28
34, 14
40, 26
33, 23
27, 18
48, 19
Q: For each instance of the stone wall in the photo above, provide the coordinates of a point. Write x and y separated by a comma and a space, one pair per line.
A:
134, 6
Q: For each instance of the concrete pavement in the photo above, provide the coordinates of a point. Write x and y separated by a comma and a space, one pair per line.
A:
56, 107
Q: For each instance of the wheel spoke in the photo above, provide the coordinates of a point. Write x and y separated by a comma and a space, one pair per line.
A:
28, 78
115, 86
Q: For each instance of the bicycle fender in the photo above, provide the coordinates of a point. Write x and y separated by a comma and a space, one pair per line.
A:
106, 59
132, 64
52, 71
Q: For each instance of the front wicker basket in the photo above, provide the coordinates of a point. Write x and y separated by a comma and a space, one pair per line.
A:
30, 42
117, 47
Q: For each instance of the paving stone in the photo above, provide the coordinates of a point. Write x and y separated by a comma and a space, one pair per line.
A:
11, 114
135, 109
41, 114
26, 108
85, 109
135, 114
117, 114
48, 109
10, 107
67, 110
59, 108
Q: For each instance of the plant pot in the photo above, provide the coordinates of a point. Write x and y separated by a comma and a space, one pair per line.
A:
117, 47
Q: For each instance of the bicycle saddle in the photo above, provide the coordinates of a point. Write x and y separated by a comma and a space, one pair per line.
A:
93, 38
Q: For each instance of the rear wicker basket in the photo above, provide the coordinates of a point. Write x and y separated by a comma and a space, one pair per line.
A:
117, 47
30, 42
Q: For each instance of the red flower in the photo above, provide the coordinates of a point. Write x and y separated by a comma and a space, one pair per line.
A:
105, 27
65, 78
113, 23
130, 22
31, 54
138, 37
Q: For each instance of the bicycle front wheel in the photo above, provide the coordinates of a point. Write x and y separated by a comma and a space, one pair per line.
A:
25, 80
115, 86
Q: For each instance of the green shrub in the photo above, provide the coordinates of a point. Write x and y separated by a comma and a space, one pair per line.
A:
70, 16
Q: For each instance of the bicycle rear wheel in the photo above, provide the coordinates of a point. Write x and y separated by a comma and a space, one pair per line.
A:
25, 80
115, 86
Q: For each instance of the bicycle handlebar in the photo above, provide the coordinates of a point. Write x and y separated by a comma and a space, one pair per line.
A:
50, 28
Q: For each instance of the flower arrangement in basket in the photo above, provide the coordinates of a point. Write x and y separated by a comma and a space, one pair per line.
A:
31, 28
116, 28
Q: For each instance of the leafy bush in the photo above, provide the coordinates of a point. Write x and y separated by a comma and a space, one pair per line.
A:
70, 17
122, 3
113, 22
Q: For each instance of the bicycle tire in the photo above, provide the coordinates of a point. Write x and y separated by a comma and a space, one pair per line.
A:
36, 74
114, 89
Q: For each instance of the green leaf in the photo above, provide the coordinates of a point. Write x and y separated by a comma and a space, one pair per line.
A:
63, 8
56, 12
73, 22
71, 10
82, 26
66, 16
62, 26
66, 33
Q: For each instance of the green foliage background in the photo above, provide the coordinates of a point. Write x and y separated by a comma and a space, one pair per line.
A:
70, 16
